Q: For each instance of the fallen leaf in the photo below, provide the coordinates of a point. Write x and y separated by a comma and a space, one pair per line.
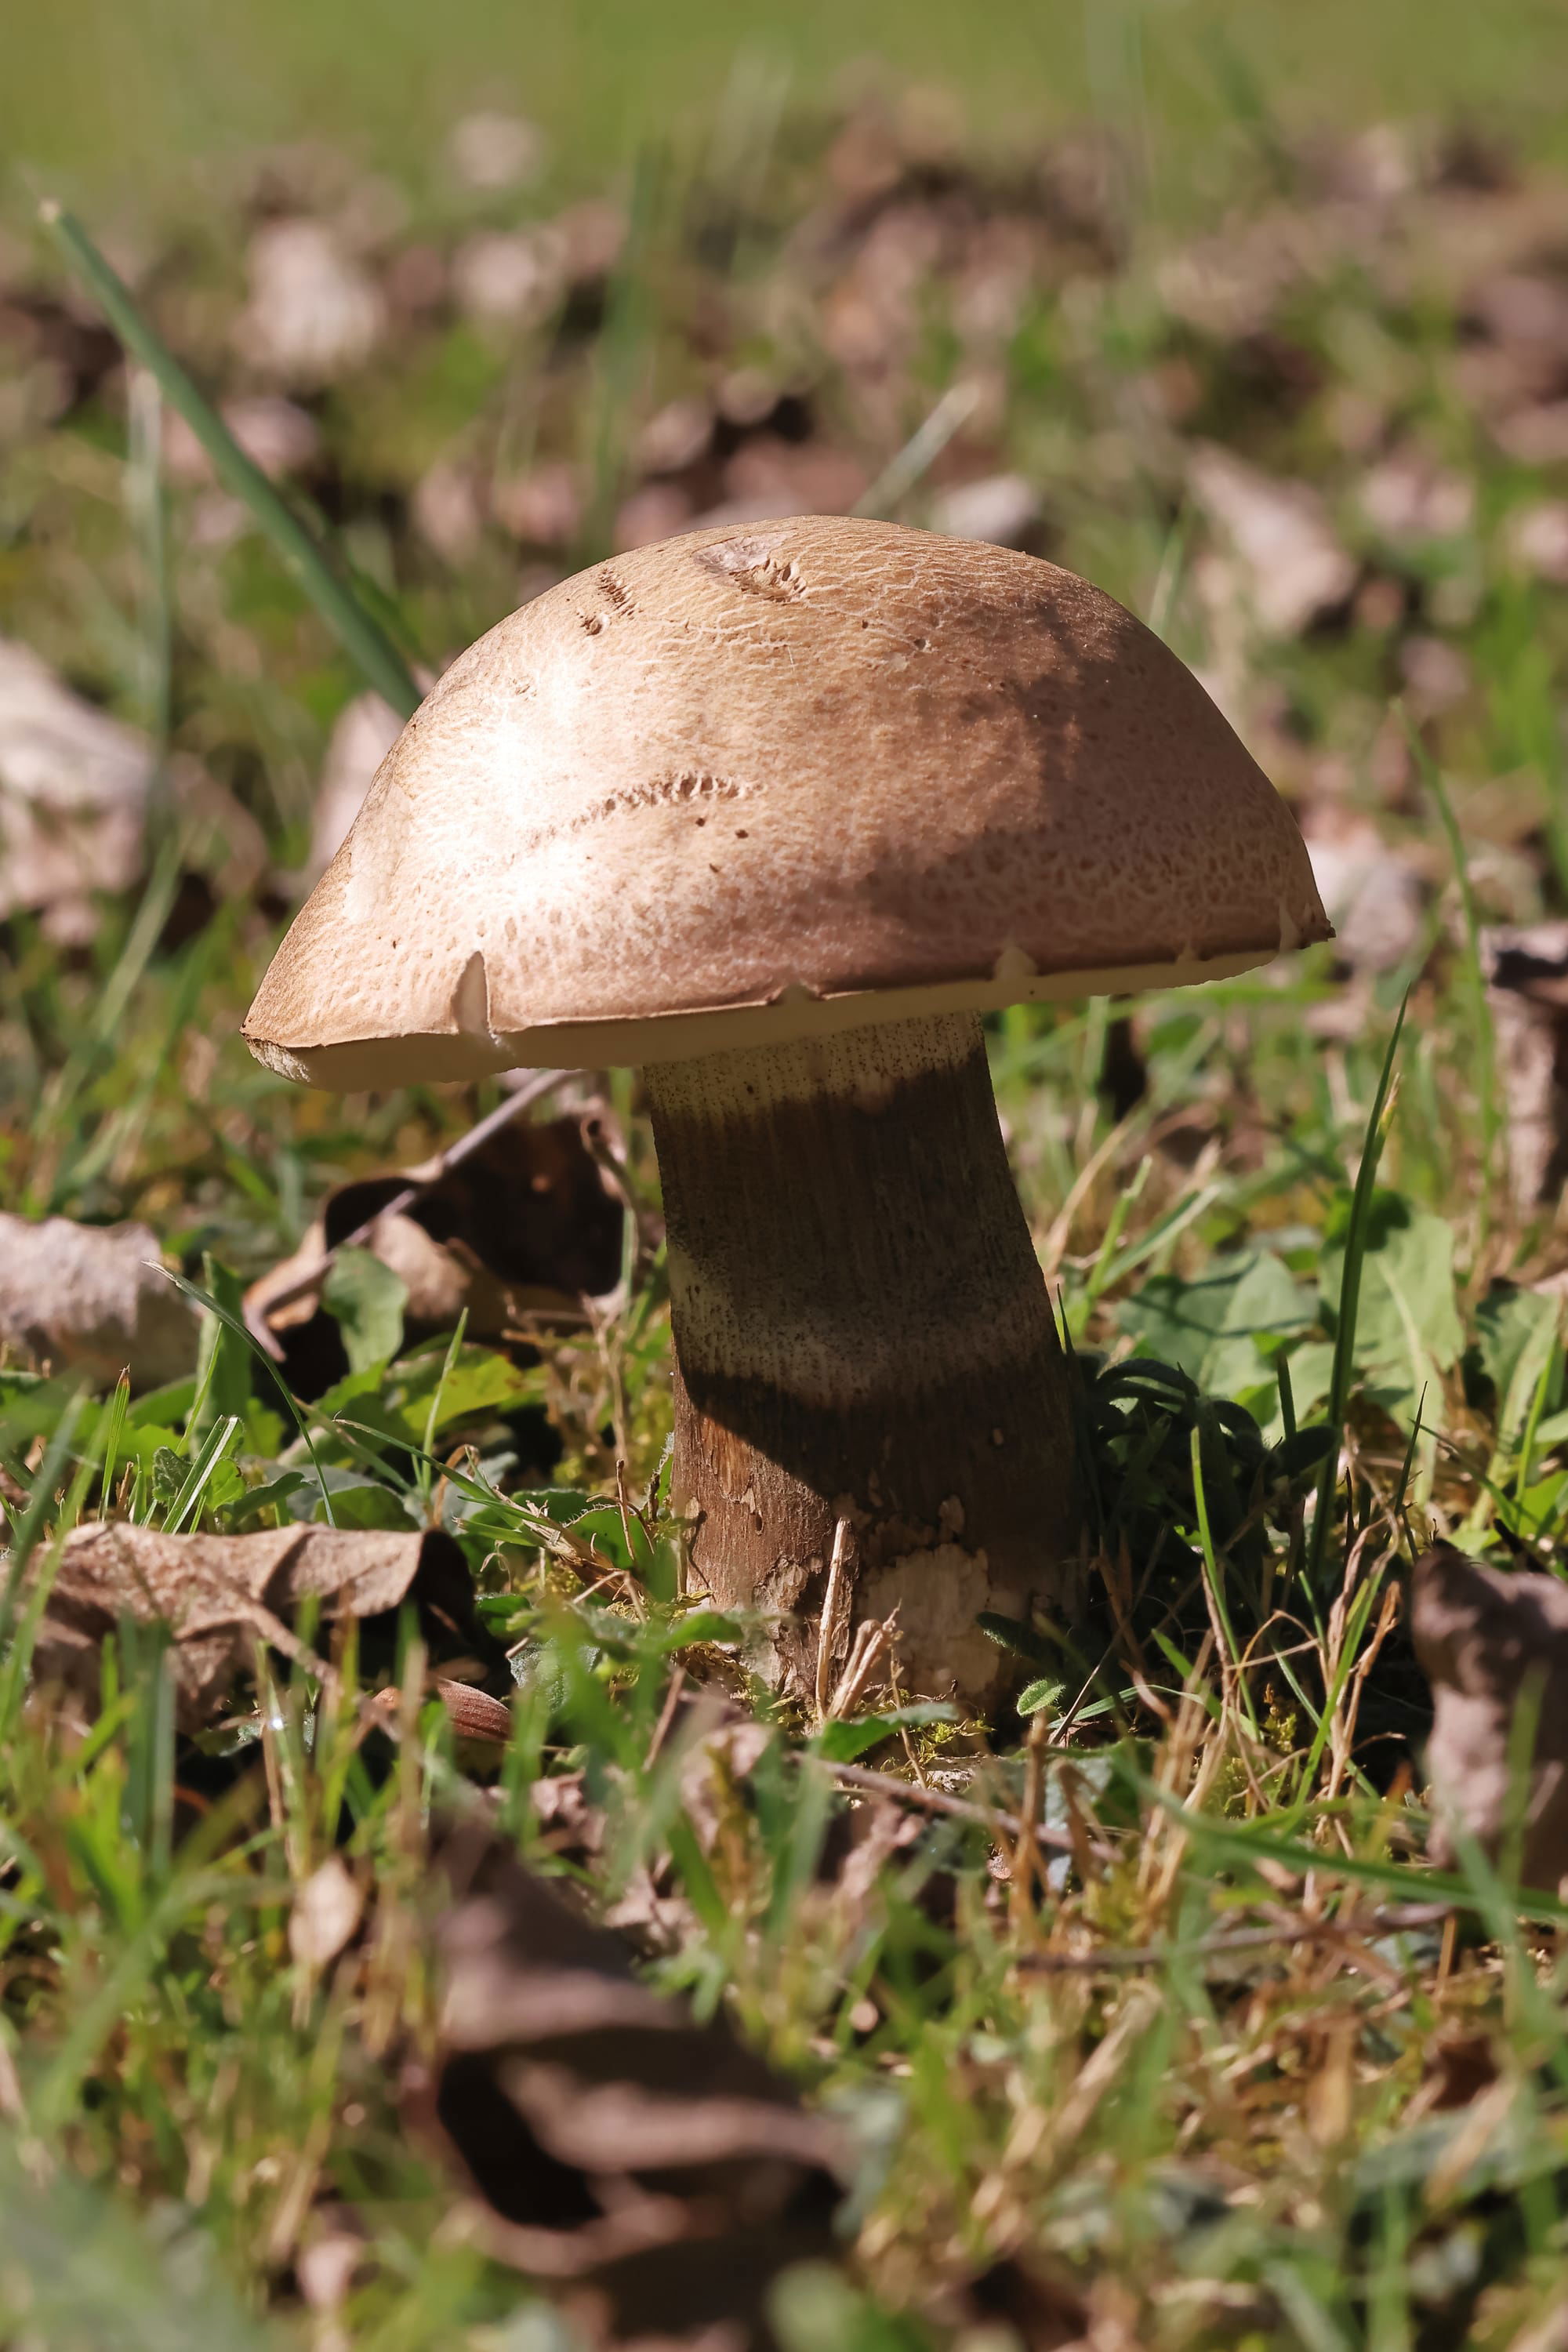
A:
654, 2168
472, 1714
93, 1300
447, 508
1537, 536
1408, 497
1002, 509
314, 313
1536, 434
544, 508
1373, 896
326, 1911
74, 790
220, 1594
1437, 675
365, 731
510, 278
1485, 1641
275, 434
325, 2266
1526, 970
1292, 565
526, 1230
488, 152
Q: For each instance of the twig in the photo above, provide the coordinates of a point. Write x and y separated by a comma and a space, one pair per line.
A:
873, 1643
833, 1601
666, 1714
541, 1082
1027, 1849
937, 1801
1113, 1956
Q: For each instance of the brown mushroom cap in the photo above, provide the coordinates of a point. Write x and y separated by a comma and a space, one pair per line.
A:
749, 785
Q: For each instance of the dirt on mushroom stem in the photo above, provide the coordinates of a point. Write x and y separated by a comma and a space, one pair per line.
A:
862, 1332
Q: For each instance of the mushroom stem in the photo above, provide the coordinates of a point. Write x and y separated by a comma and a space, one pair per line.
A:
862, 1332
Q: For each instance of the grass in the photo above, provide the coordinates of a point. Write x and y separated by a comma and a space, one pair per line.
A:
104, 100
1220, 2061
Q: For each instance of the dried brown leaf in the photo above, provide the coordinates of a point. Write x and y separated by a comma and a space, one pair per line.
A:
650, 2164
217, 1594
524, 1231
74, 790
327, 1910
364, 732
1291, 564
314, 313
1488, 1642
1373, 895
93, 1300
472, 1714
1527, 991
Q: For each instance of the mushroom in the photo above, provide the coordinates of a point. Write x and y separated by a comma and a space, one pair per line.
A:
778, 814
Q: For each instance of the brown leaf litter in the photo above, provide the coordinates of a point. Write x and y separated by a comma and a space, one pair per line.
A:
315, 312
94, 1300
364, 732
222, 1596
1284, 555
1526, 970
521, 1236
76, 787
1491, 1644
650, 2166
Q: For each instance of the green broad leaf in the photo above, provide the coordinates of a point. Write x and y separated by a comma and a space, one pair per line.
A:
700, 1625
1541, 1502
224, 1361
32, 1405
1295, 1455
366, 1299
1223, 1327
357, 1501
479, 1381
349, 1394
225, 1488
848, 1736
1515, 1330
168, 1473
503, 1611
265, 1432
1008, 1633
1407, 1327
138, 1442
1045, 1692
1312, 1375
245, 1509
164, 1407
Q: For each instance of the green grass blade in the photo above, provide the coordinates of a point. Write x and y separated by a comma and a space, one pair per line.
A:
1475, 975
200, 1298
1350, 1304
361, 635
1216, 1581
187, 1503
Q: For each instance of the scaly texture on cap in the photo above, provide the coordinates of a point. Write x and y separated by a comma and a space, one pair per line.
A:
747, 785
